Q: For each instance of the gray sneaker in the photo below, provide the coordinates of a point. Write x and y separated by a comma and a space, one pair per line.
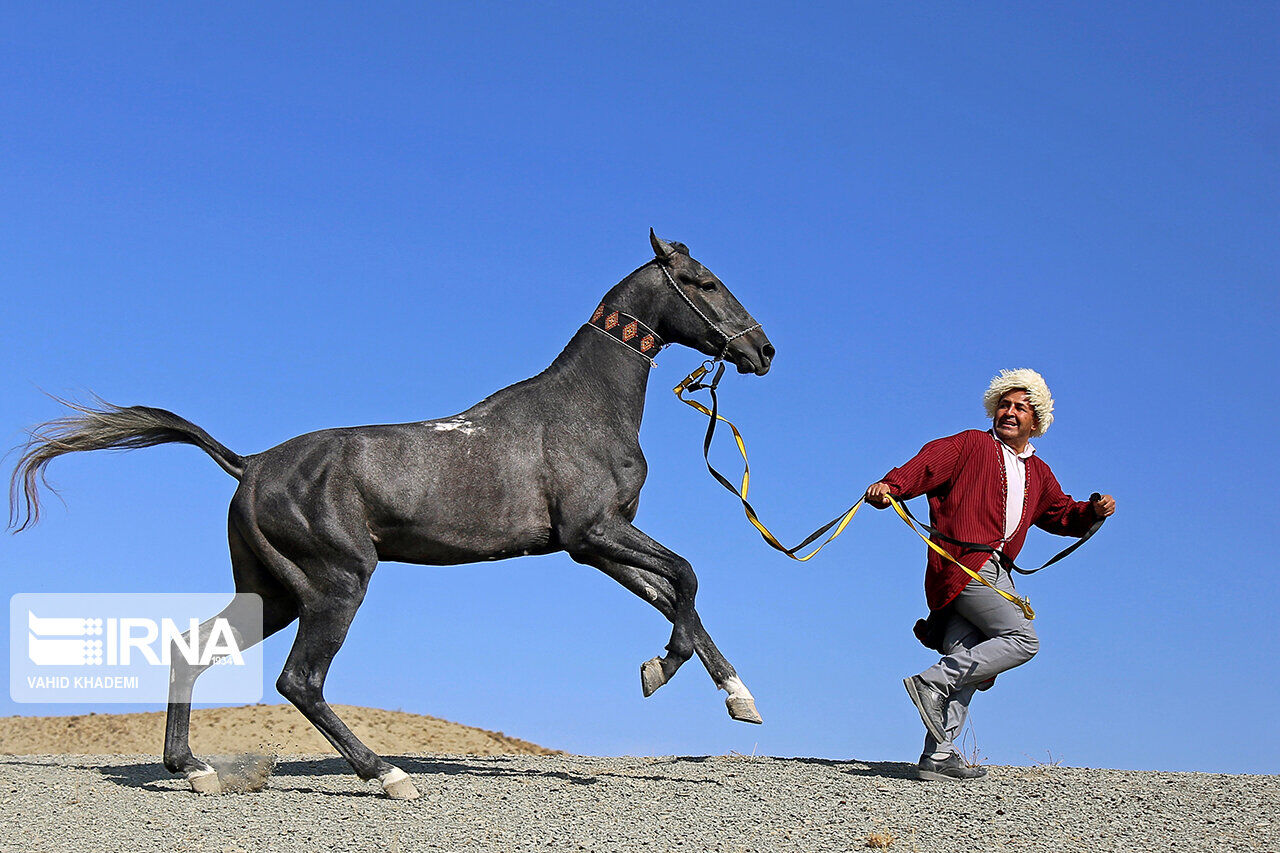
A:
953, 769
931, 704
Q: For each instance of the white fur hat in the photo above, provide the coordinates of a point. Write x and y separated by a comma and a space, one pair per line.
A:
1025, 379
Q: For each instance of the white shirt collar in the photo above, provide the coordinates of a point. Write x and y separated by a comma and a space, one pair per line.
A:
1025, 454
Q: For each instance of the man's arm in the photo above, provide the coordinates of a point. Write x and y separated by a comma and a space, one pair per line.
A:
1067, 517
933, 466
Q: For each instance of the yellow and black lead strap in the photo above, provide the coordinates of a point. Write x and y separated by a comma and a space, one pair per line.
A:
692, 383
1021, 603
1001, 558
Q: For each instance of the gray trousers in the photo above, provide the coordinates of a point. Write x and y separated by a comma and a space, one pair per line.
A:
985, 636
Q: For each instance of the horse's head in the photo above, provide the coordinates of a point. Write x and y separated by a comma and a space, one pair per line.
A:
689, 305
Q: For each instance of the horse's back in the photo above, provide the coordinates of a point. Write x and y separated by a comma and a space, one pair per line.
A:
437, 492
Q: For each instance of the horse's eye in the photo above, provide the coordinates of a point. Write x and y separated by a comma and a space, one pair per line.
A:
707, 285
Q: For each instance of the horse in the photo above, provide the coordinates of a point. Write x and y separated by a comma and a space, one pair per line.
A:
551, 463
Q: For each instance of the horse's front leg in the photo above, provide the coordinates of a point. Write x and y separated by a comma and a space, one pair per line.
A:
667, 581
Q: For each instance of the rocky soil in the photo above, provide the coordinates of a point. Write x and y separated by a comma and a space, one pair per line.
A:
565, 802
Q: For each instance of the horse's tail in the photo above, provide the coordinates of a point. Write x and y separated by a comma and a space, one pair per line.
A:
104, 427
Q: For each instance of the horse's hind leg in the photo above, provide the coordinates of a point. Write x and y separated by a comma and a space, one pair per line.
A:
278, 610
326, 564
322, 627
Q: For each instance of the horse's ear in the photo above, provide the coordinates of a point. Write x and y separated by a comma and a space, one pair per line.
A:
662, 250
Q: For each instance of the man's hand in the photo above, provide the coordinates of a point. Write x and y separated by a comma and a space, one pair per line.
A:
878, 495
1103, 505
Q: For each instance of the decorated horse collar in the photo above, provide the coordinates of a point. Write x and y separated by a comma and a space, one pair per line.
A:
627, 330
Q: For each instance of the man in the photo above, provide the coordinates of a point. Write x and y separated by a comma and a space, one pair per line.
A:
986, 488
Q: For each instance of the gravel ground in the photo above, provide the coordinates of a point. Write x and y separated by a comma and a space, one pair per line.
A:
90, 803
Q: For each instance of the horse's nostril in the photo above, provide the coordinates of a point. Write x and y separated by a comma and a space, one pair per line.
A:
768, 351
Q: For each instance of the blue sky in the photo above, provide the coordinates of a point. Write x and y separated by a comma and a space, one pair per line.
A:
273, 221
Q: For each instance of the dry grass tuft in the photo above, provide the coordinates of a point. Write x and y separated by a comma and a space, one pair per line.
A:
968, 746
880, 840
1051, 762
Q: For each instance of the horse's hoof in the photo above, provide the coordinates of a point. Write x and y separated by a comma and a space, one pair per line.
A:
651, 676
204, 781
397, 785
743, 709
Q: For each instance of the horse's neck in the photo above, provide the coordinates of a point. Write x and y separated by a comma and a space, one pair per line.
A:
603, 377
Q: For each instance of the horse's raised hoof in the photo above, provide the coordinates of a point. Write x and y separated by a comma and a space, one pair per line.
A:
204, 781
397, 785
651, 676
743, 709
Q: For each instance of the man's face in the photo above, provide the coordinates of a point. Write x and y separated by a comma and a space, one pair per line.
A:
1015, 420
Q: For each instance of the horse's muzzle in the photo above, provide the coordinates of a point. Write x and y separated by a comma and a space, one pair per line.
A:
752, 354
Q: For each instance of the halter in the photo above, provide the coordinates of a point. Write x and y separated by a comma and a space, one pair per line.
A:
728, 339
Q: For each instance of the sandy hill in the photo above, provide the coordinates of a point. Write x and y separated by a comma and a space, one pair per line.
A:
277, 729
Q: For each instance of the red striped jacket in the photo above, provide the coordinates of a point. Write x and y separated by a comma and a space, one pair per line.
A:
963, 475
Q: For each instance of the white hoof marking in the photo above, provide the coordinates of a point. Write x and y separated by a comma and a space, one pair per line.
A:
741, 704
204, 781
397, 785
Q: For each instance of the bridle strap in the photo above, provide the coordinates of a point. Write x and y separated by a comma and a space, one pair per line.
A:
728, 339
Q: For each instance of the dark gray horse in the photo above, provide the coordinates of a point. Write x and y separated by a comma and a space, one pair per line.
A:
549, 464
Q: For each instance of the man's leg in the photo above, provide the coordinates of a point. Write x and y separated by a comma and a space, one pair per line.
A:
960, 635
1011, 639
987, 635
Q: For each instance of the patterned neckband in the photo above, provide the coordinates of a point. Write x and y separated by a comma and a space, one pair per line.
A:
628, 331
